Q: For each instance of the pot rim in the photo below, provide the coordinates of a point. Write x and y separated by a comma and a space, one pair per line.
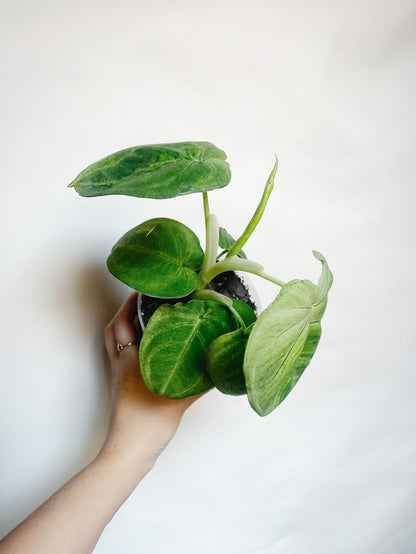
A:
247, 283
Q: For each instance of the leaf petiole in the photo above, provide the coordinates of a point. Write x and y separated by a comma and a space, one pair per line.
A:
240, 242
271, 278
235, 264
222, 299
206, 206
210, 251
211, 243
212, 264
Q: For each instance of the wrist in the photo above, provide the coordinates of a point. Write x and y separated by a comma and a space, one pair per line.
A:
129, 456
133, 437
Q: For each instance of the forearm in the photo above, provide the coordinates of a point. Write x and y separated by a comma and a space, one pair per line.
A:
72, 520
141, 425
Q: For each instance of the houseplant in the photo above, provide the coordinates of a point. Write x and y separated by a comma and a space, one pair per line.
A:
205, 338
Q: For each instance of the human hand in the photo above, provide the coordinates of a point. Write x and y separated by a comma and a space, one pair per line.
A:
139, 419
72, 520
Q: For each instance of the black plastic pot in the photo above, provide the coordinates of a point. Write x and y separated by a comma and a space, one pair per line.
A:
229, 284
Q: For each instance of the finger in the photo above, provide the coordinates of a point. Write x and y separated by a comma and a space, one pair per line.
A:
124, 329
128, 309
110, 340
121, 329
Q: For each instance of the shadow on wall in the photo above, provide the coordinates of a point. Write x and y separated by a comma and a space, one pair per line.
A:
78, 307
95, 300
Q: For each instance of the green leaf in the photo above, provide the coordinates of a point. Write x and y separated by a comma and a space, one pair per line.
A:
224, 362
247, 314
226, 241
284, 339
225, 355
158, 258
172, 350
156, 171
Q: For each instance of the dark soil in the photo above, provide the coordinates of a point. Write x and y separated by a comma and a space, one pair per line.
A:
228, 283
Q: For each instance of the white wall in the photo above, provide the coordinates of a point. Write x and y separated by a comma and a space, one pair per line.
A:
327, 86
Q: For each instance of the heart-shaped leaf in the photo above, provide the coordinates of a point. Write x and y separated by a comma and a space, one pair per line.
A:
226, 241
224, 362
172, 350
158, 258
156, 171
247, 314
225, 355
284, 339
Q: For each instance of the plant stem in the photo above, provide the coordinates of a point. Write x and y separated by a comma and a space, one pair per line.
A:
232, 264
240, 242
235, 264
222, 299
221, 254
210, 266
211, 243
206, 206
207, 294
271, 278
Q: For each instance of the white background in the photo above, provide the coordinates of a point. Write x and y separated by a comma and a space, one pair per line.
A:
327, 86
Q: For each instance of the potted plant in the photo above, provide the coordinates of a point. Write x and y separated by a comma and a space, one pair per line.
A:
198, 337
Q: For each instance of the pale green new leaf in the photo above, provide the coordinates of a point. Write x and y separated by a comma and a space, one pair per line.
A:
156, 171
159, 257
284, 339
172, 350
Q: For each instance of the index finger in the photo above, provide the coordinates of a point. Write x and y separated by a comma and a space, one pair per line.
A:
125, 330
128, 309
